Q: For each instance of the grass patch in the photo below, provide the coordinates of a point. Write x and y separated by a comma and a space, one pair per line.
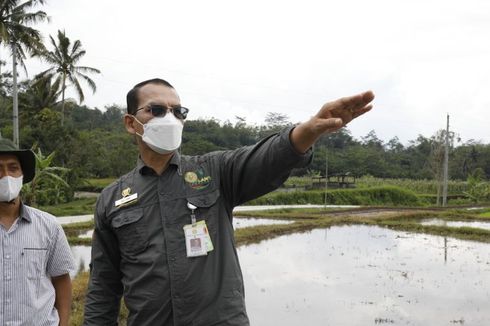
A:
95, 185
386, 196
73, 230
287, 213
486, 214
417, 186
81, 206
82, 226
76, 241
401, 221
80, 284
462, 233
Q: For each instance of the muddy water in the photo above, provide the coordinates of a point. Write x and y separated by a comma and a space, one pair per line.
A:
359, 275
363, 275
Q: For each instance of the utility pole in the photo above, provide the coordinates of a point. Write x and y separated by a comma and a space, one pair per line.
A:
15, 115
446, 162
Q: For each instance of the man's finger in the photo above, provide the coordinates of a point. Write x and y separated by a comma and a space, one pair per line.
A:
359, 112
358, 99
351, 103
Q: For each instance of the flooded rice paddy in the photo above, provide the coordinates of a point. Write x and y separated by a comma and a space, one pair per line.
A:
363, 275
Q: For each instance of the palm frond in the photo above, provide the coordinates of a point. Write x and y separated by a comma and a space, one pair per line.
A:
78, 88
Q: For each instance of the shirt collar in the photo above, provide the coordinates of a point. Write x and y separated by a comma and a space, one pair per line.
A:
145, 169
24, 213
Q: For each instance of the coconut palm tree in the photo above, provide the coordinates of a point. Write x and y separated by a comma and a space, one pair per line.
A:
20, 38
39, 94
63, 60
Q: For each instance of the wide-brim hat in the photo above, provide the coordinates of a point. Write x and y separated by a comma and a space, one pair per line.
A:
26, 158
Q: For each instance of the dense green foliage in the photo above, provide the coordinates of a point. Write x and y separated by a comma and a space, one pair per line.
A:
387, 196
421, 186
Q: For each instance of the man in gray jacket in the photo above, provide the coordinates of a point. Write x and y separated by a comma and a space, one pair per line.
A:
163, 235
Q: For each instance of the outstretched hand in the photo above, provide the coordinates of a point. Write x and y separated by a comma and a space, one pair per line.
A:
335, 115
331, 117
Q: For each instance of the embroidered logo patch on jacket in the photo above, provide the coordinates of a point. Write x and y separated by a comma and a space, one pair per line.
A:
197, 179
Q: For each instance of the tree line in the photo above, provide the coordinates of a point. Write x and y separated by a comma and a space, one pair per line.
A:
92, 143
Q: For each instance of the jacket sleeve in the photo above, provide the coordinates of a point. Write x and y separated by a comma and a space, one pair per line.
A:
105, 288
252, 171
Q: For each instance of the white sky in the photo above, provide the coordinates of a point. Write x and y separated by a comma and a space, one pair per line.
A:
422, 58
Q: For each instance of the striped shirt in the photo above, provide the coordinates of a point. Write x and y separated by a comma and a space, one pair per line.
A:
33, 250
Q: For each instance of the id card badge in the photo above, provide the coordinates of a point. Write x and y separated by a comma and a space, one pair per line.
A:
197, 239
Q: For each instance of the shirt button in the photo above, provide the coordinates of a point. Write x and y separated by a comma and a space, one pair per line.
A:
172, 258
7, 256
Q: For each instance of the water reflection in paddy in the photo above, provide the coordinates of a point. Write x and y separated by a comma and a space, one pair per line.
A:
82, 255
360, 275
471, 224
241, 222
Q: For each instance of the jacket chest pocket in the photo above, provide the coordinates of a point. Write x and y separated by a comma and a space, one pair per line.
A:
131, 231
207, 208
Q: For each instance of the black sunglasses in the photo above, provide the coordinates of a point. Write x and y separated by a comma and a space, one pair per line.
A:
156, 110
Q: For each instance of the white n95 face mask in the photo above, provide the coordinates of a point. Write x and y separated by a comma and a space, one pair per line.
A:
163, 135
10, 188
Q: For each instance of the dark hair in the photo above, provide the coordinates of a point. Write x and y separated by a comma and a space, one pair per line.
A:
132, 97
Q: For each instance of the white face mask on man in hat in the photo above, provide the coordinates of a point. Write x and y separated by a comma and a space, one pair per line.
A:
10, 188
17, 166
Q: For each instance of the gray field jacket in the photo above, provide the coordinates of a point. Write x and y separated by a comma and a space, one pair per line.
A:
139, 252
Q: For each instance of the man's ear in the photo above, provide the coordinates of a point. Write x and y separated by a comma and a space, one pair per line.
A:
129, 123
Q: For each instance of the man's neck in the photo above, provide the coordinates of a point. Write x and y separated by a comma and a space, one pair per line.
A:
158, 162
9, 211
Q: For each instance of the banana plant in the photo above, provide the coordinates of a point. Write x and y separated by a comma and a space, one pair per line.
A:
48, 179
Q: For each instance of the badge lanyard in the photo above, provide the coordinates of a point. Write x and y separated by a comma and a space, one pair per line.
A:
197, 239
193, 214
